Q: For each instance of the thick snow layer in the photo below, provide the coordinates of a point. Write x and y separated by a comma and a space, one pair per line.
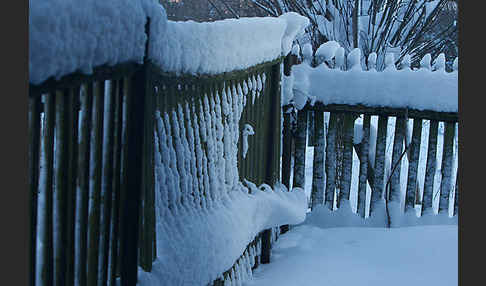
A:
66, 36
309, 255
196, 246
421, 89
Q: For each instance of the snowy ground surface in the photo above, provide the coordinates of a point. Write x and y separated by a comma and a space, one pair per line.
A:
309, 255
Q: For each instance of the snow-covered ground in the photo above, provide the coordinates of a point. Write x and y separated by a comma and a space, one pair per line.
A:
309, 255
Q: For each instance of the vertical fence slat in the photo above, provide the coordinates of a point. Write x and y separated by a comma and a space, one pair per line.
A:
83, 182
107, 187
61, 186
95, 188
330, 165
132, 177
34, 152
348, 129
287, 149
317, 194
363, 166
398, 141
410, 197
47, 276
378, 182
456, 198
117, 150
300, 149
72, 183
430, 166
447, 159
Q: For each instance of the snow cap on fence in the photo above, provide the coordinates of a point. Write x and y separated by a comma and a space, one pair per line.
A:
425, 62
390, 62
405, 64
295, 50
455, 64
339, 57
372, 61
327, 50
439, 63
295, 27
354, 59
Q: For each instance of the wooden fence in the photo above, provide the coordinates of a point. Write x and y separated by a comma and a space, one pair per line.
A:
333, 153
91, 166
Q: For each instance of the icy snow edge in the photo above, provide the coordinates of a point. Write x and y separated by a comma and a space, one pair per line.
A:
199, 245
67, 36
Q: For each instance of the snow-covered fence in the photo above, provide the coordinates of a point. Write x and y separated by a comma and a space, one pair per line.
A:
148, 144
359, 113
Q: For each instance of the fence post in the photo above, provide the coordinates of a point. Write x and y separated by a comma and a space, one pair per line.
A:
133, 175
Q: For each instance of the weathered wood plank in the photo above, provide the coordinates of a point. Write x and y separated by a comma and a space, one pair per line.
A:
72, 183
386, 111
107, 184
317, 193
117, 149
300, 149
430, 166
363, 166
330, 165
410, 196
379, 180
348, 134
398, 142
132, 177
82, 199
47, 275
95, 189
34, 152
447, 159
287, 150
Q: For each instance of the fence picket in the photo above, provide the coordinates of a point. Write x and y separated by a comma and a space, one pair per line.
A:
95, 188
363, 166
300, 149
317, 194
348, 130
398, 141
47, 276
431, 166
82, 200
411, 195
447, 158
379, 179
34, 153
330, 165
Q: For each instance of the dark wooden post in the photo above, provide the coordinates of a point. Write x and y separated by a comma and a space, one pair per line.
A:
398, 141
431, 165
410, 198
330, 165
363, 166
34, 147
447, 158
133, 173
378, 183
300, 149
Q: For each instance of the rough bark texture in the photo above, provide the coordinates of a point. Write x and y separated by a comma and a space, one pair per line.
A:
410, 196
317, 194
447, 157
300, 149
331, 160
431, 165
379, 180
363, 166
